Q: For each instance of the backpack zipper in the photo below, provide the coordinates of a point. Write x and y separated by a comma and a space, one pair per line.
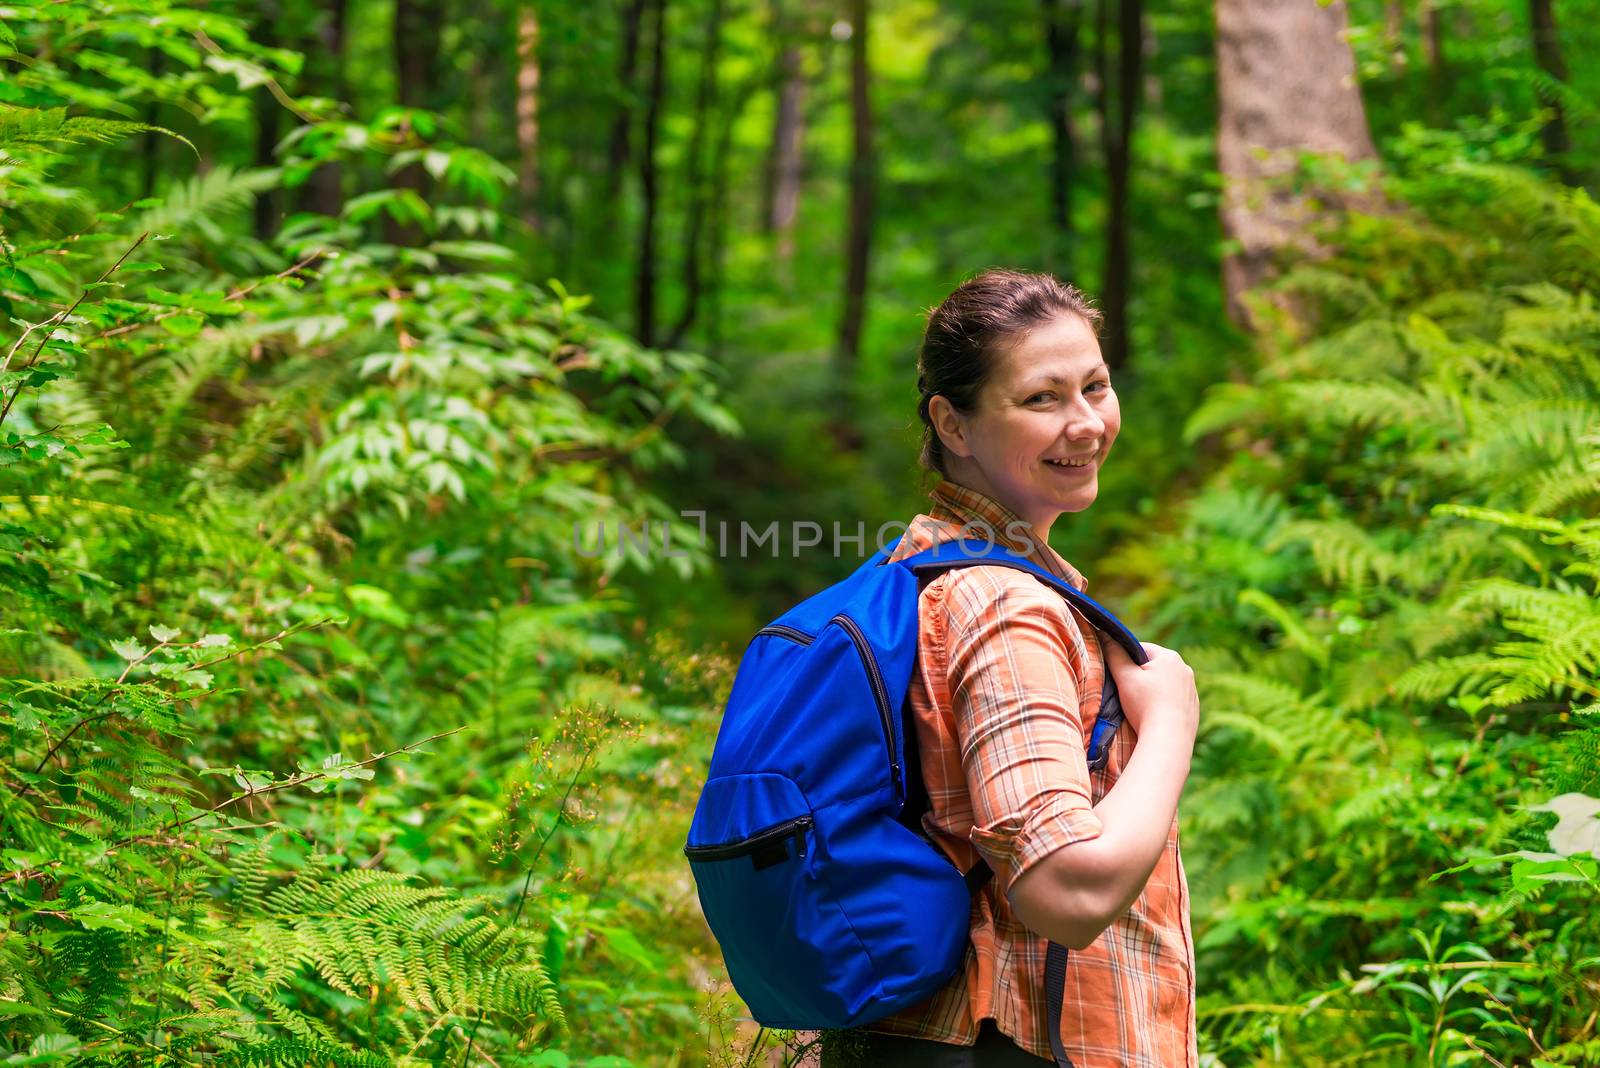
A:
795, 828
880, 692
782, 631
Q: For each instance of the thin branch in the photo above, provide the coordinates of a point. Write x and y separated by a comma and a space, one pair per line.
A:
527, 881
54, 321
272, 84
238, 294
299, 780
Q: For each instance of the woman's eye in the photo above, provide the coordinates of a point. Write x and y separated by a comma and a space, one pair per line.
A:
1039, 397
1103, 386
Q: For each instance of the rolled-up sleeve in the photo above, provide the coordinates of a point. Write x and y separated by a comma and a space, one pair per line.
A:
1014, 694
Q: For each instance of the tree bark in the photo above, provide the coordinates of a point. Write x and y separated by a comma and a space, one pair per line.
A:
416, 46
858, 242
694, 237
528, 113
788, 135
267, 127
622, 121
324, 190
1286, 83
1547, 51
1116, 141
1061, 24
717, 224
155, 63
645, 281
1438, 66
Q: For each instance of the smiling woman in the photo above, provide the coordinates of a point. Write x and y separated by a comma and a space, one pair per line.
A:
1019, 416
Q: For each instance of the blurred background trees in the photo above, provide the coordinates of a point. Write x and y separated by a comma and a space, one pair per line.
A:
359, 356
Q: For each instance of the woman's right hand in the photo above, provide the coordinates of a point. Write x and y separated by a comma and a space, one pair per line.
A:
1159, 695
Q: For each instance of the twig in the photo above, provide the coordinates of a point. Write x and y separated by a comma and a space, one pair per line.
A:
238, 294
527, 881
301, 780
298, 780
272, 84
116, 687
52, 322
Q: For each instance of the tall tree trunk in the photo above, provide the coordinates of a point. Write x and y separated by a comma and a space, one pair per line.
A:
1116, 139
1433, 98
622, 122
528, 113
324, 191
788, 135
1547, 51
266, 108
781, 200
717, 224
858, 243
1286, 83
1061, 24
645, 289
1394, 33
416, 46
694, 237
151, 150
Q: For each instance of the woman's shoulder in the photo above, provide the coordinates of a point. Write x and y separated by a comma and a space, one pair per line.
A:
994, 591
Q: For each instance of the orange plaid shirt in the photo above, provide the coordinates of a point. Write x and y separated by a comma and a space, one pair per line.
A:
1006, 689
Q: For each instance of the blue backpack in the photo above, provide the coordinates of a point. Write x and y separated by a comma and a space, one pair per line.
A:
831, 907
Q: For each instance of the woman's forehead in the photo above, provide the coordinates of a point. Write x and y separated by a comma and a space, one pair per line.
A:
1064, 348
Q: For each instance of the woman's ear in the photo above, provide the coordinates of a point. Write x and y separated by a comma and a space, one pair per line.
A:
950, 425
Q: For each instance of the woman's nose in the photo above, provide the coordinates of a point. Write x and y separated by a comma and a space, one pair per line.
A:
1084, 423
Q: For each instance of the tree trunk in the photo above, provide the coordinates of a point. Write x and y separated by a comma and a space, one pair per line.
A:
267, 129
645, 290
1061, 24
1116, 141
858, 243
528, 113
695, 217
416, 46
787, 160
781, 199
1547, 51
324, 191
151, 153
1394, 33
622, 122
717, 224
1286, 83
1433, 98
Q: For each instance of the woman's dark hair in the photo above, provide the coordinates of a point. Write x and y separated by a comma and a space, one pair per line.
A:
985, 313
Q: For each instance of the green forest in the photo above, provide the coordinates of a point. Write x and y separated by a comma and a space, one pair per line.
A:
409, 409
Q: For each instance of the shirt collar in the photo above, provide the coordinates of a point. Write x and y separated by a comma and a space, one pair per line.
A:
963, 506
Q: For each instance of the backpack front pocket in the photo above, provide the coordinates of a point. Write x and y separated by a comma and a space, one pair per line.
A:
764, 848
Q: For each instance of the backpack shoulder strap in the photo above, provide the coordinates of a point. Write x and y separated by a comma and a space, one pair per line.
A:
951, 555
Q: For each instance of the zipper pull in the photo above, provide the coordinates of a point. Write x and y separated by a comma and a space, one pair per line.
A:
800, 836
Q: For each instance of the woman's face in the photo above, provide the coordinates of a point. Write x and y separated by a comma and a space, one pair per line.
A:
1043, 424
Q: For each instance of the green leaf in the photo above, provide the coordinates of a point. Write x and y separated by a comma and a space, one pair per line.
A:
182, 325
163, 634
128, 650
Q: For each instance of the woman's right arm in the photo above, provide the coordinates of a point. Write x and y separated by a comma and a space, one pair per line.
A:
1076, 892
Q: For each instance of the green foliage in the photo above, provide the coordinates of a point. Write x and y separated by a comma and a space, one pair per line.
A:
269, 503
1391, 594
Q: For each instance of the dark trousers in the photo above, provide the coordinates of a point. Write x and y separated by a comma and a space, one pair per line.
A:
864, 1049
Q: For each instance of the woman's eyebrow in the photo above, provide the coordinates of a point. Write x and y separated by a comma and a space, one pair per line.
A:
1056, 380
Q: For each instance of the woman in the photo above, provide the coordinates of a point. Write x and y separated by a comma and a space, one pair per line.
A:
1019, 415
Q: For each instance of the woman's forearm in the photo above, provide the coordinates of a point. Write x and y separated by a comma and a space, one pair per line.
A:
1076, 892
